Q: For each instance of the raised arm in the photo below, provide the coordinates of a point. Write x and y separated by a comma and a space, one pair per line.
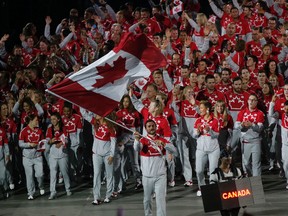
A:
47, 34
219, 13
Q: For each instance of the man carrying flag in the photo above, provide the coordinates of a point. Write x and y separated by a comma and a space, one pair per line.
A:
100, 86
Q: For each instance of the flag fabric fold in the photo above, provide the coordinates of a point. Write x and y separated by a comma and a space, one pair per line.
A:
100, 86
178, 6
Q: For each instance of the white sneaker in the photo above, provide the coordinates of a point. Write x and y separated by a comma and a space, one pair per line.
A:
68, 193
30, 197
199, 194
188, 183
11, 186
107, 200
171, 184
95, 202
52, 196
287, 187
42, 192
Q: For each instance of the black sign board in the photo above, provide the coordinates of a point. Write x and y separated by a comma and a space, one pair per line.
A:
232, 194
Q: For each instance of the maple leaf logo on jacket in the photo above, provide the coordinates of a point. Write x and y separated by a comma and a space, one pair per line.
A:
101, 132
129, 120
236, 102
110, 73
33, 137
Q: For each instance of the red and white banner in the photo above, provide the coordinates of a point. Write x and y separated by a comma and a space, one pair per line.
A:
100, 86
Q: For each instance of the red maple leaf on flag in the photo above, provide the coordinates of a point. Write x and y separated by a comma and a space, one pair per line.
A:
111, 73
141, 82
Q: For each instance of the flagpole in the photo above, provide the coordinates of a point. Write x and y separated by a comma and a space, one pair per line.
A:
120, 125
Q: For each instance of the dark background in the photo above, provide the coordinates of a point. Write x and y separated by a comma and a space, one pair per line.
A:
15, 14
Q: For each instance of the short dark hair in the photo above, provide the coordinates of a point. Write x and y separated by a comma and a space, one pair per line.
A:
67, 105
207, 104
158, 7
184, 67
255, 59
145, 10
30, 118
148, 121
226, 69
254, 96
236, 79
209, 76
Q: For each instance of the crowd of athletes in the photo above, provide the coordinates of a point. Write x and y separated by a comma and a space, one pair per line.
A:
224, 88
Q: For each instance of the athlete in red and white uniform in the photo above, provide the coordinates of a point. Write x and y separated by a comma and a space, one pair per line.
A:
73, 125
57, 140
188, 112
153, 167
103, 150
29, 141
250, 122
206, 131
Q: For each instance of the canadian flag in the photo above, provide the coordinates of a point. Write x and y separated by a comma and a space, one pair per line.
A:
178, 6
100, 86
140, 83
42, 145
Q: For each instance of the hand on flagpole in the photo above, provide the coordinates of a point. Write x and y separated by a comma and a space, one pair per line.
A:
159, 143
137, 135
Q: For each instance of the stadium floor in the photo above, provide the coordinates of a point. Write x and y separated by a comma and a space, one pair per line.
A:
181, 201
